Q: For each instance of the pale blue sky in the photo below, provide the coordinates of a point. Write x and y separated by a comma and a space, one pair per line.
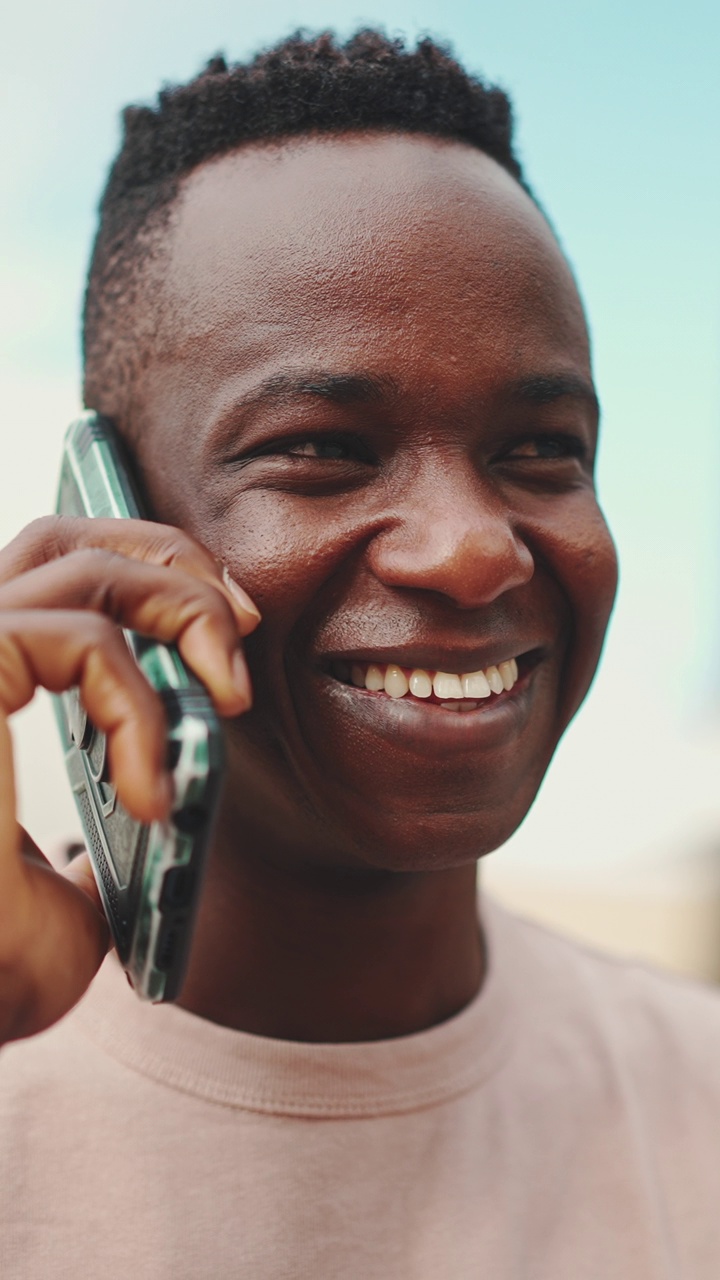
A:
618, 110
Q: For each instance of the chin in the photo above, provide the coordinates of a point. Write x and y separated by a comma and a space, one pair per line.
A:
354, 816
408, 842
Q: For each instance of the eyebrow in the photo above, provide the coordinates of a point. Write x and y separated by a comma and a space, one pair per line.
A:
340, 388
364, 387
545, 388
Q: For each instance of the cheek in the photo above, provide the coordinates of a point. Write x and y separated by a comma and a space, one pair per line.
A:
590, 569
285, 552
582, 558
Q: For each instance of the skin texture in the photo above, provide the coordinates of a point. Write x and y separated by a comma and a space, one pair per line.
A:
370, 398
437, 536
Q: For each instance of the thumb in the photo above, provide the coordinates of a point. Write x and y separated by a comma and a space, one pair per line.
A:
80, 873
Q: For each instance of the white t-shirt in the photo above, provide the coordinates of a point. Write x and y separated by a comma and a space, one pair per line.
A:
565, 1125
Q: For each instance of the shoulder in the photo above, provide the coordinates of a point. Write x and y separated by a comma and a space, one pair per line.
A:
615, 1076
649, 1021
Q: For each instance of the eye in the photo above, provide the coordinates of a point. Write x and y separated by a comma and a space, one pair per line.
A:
318, 460
548, 448
322, 447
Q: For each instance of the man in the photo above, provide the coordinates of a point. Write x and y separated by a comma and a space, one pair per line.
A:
351, 363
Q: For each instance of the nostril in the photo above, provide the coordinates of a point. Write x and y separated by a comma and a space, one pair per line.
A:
472, 567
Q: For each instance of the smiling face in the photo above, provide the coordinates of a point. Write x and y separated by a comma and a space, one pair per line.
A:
372, 400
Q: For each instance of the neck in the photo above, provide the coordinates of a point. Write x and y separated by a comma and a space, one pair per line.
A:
331, 959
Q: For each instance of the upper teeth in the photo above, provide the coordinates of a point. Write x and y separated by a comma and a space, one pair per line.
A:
397, 681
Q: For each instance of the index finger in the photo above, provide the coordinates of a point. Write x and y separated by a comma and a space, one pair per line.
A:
51, 537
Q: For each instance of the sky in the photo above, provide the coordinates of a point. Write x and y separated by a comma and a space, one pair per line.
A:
618, 119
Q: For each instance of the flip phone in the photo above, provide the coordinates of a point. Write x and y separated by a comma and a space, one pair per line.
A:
149, 877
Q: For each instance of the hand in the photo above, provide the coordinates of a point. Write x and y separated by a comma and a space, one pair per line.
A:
67, 586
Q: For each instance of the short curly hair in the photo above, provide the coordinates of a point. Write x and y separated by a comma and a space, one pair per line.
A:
305, 84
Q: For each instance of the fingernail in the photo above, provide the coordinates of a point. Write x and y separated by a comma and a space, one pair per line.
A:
241, 596
241, 677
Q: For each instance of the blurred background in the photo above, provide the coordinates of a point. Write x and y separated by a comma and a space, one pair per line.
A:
618, 118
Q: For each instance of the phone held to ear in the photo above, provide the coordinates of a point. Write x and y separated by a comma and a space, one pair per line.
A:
149, 877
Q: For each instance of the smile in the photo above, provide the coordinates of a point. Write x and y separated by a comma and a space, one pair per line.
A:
451, 691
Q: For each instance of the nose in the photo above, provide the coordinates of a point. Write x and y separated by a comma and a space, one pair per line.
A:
455, 536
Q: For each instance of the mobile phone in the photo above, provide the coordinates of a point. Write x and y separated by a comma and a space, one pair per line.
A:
149, 877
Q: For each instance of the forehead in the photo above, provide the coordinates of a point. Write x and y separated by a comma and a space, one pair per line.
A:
349, 228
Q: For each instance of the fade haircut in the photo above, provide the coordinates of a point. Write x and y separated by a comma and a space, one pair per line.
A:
303, 85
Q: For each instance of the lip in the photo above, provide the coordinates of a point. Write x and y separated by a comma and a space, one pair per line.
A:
426, 727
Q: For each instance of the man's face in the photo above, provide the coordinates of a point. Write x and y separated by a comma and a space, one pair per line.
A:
373, 402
